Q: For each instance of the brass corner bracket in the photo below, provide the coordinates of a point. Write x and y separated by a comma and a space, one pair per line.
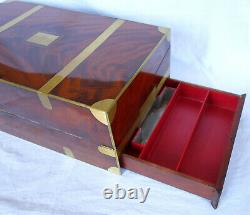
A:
115, 170
104, 110
107, 151
68, 152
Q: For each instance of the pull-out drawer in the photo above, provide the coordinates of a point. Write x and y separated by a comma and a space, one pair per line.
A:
191, 144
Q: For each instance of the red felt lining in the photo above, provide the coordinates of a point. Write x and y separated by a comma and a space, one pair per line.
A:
193, 133
208, 145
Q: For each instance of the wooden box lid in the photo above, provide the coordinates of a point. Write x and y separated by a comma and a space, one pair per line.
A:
84, 60
81, 57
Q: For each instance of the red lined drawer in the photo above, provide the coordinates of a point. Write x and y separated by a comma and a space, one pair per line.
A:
192, 139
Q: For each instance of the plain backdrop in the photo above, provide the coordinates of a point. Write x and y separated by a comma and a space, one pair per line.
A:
210, 46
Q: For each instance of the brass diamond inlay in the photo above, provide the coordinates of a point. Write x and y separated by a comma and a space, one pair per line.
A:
43, 39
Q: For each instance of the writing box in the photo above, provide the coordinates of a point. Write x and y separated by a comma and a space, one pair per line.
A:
86, 86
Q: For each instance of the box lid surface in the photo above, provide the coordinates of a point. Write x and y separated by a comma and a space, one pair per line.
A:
81, 57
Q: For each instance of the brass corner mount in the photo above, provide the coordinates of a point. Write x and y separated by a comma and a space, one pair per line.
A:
104, 110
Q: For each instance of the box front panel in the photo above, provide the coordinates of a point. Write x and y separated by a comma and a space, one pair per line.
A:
55, 140
64, 125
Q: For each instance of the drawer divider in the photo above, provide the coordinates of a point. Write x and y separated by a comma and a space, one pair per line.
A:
148, 148
193, 131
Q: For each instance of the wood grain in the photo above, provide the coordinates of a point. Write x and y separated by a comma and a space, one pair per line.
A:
102, 75
38, 63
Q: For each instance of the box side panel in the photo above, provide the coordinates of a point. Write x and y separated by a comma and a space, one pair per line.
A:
138, 97
65, 125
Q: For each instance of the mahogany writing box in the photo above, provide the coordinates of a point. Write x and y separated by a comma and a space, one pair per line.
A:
85, 85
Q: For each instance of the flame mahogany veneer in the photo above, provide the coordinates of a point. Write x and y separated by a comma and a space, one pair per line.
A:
106, 60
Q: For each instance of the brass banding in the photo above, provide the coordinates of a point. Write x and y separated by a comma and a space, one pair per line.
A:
20, 18
41, 95
117, 169
104, 110
73, 64
163, 79
44, 100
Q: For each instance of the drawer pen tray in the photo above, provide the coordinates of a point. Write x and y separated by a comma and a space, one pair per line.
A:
191, 144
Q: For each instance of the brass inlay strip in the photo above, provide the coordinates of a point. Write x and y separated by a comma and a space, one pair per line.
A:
117, 169
20, 18
45, 100
18, 85
52, 83
71, 66
44, 97
163, 79
41, 94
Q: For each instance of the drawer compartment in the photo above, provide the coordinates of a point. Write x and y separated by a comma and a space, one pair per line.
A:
192, 140
170, 138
